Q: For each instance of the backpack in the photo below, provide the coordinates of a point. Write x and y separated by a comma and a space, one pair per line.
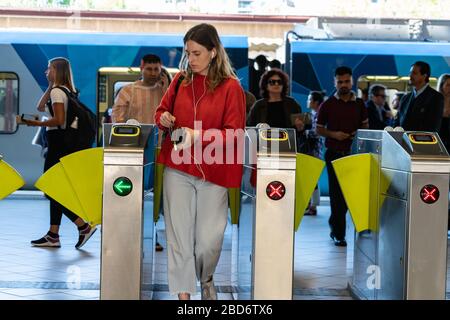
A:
81, 123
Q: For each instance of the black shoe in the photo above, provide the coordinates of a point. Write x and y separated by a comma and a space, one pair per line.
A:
84, 236
46, 241
158, 247
338, 242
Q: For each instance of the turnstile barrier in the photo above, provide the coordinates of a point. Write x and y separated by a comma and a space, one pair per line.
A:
127, 229
404, 255
276, 186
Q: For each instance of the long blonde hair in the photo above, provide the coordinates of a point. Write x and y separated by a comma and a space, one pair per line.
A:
63, 74
220, 66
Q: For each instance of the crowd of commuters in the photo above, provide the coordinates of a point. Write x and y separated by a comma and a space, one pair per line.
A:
207, 90
333, 122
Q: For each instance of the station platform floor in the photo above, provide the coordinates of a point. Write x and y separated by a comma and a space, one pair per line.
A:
321, 270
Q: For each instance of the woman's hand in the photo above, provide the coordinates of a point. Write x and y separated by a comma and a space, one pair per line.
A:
189, 138
167, 120
32, 123
45, 97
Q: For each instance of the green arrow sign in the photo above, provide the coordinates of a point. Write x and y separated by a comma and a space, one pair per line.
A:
122, 186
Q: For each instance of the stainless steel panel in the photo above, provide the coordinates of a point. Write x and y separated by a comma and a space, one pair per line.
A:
365, 243
427, 245
273, 225
398, 183
246, 186
121, 236
148, 248
282, 163
430, 165
391, 249
366, 134
245, 243
368, 146
118, 159
394, 155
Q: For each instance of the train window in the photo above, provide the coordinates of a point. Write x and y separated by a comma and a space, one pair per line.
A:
102, 88
393, 85
9, 101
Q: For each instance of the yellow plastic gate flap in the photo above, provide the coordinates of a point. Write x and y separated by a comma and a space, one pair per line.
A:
85, 172
234, 198
55, 183
307, 174
10, 180
76, 182
362, 182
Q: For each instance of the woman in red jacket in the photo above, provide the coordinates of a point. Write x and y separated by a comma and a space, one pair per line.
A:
205, 162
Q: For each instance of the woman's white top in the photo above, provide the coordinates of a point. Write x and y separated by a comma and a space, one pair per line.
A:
58, 96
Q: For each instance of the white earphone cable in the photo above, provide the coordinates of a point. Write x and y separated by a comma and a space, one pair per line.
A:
196, 103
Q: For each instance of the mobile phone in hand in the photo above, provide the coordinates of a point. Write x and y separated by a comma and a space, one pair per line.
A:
25, 117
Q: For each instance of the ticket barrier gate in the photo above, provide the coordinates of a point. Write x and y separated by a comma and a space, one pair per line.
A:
404, 256
127, 229
264, 267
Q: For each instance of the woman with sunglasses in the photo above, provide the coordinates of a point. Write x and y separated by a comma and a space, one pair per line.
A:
276, 107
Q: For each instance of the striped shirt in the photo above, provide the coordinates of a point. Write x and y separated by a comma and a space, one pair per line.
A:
137, 101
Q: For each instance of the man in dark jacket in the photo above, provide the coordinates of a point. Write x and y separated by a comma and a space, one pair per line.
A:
421, 109
380, 115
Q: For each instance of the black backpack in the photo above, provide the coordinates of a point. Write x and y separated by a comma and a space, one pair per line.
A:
83, 135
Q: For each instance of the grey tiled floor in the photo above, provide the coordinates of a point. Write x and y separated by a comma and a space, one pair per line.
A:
321, 270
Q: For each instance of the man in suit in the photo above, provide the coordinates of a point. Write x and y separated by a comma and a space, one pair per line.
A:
421, 109
379, 113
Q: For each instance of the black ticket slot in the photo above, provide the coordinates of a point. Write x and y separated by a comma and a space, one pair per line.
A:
422, 138
276, 141
421, 143
125, 135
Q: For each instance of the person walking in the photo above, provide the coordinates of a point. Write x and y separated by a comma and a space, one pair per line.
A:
55, 102
206, 92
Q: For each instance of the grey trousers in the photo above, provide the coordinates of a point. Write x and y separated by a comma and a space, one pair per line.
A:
195, 215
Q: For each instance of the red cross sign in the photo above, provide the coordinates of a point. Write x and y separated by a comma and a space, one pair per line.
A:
429, 194
275, 190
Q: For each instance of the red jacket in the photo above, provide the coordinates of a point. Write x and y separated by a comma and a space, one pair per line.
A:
224, 108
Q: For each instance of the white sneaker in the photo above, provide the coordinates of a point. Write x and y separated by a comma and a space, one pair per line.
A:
46, 241
84, 236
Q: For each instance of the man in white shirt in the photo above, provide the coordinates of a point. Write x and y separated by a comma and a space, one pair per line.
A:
140, 99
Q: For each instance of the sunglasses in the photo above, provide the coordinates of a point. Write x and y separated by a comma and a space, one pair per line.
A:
381, 95
274, 82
